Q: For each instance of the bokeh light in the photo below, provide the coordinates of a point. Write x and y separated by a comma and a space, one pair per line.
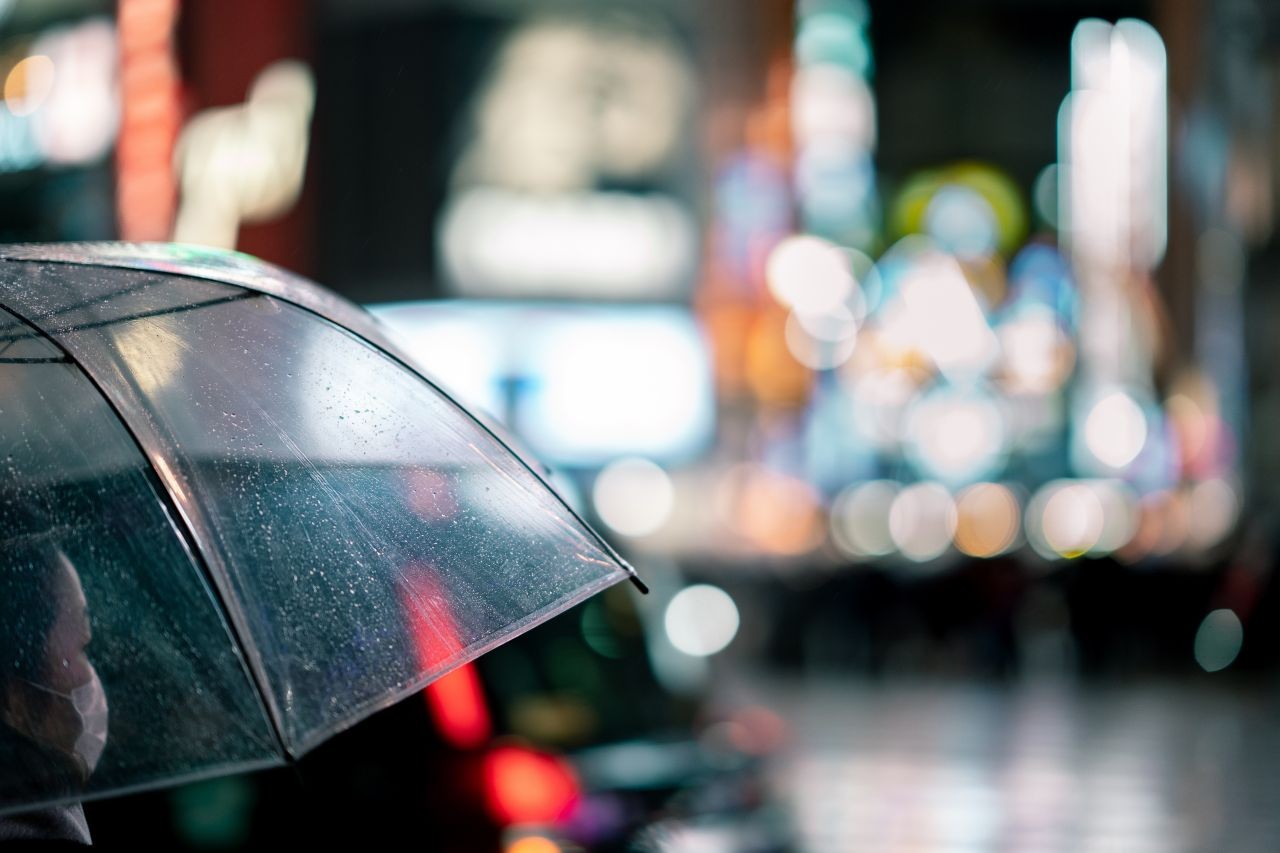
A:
860, 519
1115, 429
808, 275
775, 512
633, 496
987, 520
962, 221
956, 437
1214, 508
945, 318
701, 620
28, 84
922, 520
1218, 640
822, 341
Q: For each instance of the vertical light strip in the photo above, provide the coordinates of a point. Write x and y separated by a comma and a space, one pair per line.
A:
1114, 185
146, 192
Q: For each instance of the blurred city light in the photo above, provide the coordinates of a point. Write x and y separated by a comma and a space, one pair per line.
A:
608, 384
633, 496
962, 222
833, 122
1214, 507
502, 243
583, 384
1044, 195
1115, 429
28, 84
822, 341
1114, 127
151, 114
955, 436
1036, 356
1064, 519
532, 844
529, 213
76, 119
988, 520
809, 275
922, 520
539, 129
1218, 640
245, 163
458, 706
945, 318
860, 519
771, 511
527, 786
701, 620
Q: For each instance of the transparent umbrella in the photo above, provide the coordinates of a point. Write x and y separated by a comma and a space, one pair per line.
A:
235, 520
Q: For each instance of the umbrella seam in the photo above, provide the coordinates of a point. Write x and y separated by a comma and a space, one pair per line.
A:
185, 533
387, 349
164, 781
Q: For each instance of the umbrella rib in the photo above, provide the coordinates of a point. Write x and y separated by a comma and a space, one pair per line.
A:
159, 312
185, 533
146, 315
391, 353
382, 345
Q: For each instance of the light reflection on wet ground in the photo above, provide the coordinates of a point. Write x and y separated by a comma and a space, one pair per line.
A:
1040, 766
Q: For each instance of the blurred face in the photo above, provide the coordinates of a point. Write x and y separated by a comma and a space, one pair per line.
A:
41, 707
66, 665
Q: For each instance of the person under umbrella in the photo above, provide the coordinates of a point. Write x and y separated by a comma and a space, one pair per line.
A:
53, 708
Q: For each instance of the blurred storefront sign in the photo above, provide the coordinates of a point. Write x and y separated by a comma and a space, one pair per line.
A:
151, 95
245, 163
611, 245
567, 183
581, 384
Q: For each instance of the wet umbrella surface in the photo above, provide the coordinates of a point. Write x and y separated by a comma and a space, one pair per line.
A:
234, 521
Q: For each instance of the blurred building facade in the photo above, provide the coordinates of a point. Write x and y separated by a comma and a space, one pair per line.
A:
787, 289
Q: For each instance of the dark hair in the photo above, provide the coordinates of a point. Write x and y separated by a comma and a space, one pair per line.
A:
29, 566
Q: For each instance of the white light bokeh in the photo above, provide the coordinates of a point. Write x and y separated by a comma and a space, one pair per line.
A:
633, 496
922, 520
78, 116
1073, 520
955, 437
1036, 355
701, 620
1120, 515
830, 102
822, 341
498, 242
946, 320
860, 519
621, 382
1114, 140
808, 275
1065, 518
1115, 430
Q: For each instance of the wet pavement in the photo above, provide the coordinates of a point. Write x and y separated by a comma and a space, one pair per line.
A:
1035, 766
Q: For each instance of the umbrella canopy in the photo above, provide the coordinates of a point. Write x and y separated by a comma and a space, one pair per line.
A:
235, 520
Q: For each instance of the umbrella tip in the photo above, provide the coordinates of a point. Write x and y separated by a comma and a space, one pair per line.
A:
640, 585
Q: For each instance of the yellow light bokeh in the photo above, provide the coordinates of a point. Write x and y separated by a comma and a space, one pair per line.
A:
28, 84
